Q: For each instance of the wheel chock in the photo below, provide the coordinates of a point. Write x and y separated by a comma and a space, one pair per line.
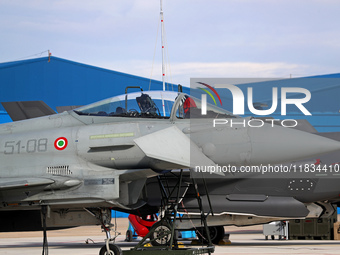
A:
224, 242
180, 245
195, 242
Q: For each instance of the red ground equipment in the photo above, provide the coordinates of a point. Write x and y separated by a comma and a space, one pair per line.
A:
141, 225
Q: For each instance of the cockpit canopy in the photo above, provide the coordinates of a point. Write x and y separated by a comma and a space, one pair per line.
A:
152, 104
138, 104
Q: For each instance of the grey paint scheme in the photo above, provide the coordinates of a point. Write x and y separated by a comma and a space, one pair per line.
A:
99, 170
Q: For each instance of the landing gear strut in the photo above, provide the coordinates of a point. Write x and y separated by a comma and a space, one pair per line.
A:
104, 216
108, 248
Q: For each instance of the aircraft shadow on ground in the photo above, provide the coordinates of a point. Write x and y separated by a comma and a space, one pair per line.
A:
271, 243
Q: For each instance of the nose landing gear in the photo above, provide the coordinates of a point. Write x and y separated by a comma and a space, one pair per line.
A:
110, 249
104, 216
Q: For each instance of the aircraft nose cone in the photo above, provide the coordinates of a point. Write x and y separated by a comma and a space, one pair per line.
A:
279, 145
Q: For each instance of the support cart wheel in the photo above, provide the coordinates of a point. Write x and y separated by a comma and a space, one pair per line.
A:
161, 234
114, 250
273, 237
266, 237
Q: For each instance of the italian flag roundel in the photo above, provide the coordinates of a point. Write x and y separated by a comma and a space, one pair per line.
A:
60, 143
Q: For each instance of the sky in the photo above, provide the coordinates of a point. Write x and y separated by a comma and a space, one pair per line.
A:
215, 38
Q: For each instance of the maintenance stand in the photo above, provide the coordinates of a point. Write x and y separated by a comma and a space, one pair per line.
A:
163, 234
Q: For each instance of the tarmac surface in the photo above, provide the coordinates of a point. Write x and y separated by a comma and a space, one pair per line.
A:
244, 240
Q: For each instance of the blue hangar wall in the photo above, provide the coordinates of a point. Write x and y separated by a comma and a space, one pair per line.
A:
60, 82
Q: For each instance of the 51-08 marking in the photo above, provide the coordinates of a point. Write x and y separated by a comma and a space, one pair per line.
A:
31, 146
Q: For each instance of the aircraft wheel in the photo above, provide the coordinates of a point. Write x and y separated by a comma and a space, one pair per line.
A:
114, 250
273, 237
216, 234
159, 230
129, 236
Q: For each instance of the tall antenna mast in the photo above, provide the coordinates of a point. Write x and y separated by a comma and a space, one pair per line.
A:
162, 37
163, 58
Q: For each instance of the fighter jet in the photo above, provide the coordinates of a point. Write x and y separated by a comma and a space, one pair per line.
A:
70, 169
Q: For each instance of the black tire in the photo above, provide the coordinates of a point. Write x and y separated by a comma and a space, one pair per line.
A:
266, 237
115, 250
129, 236
216, 234
159, 229
273, 237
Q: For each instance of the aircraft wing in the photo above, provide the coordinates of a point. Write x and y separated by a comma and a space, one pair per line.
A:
23, 110
171, 145
15, 183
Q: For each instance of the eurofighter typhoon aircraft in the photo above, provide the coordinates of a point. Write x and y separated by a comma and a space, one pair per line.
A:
70, 169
